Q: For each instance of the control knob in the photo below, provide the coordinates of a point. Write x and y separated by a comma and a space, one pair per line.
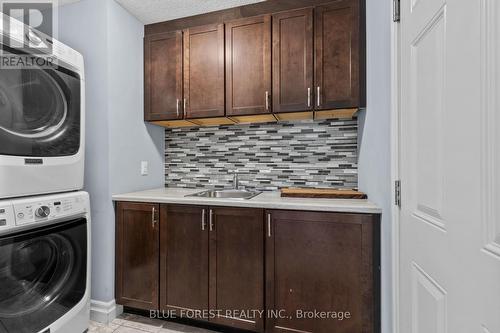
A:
42, 212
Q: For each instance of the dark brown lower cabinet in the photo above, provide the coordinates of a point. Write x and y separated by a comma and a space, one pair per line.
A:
183, 259
137, 251
212, 259
271, 271
321, 267
237, 267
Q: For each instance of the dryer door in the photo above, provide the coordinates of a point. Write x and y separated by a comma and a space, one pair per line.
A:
39, 112
43, 275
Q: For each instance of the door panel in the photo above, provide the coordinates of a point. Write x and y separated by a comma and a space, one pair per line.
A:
293, 61
237, 266
204, 71
337, 54
137, 253
163, 76
322, 262
41, 264
448, 278
40, 111
248, 66
428, 85
184, 258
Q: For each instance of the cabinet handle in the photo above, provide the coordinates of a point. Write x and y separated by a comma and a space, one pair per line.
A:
267, 100
319, 96
309, 97
203, 222
177, 106
185, 103
269, 225
211, 220
153, 217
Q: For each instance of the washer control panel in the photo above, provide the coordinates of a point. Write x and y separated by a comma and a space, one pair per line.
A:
44, 210
20, 212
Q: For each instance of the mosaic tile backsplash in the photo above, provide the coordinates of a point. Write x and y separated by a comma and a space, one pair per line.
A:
268, 156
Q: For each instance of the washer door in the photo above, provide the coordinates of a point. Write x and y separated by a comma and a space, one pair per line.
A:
39, 112
42, 276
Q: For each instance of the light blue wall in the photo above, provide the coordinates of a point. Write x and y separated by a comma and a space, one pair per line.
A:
131, 139
110, 40
374, 135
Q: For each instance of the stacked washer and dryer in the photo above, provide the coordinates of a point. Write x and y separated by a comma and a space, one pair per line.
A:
44, 215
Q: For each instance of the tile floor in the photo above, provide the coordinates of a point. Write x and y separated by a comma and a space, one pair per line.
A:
130, 323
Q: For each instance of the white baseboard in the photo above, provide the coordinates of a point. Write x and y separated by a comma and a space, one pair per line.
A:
104, 312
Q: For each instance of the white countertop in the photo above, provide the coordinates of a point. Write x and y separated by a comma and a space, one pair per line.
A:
267, 200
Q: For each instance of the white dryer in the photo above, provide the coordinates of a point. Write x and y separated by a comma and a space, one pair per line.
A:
45, 264
42, 119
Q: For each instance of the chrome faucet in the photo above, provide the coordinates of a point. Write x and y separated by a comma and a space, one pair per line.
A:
236, 180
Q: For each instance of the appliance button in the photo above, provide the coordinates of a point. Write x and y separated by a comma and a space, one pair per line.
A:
2, 211
43, 212
20, 215
3, 222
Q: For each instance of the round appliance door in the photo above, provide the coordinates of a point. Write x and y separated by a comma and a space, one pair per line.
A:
42, 276
39, 112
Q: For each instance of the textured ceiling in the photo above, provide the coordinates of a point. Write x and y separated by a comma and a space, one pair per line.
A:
152, 11
66, 2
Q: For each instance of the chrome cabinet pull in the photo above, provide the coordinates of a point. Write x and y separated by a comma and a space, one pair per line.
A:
177, 106
319, 96
309, 97
267, 100
211, 220
153, 217
203, 222
269, 225
185, 103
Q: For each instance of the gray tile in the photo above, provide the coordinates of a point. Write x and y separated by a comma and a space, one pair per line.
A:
271, 155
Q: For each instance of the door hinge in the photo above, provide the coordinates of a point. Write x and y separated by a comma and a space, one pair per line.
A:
396, 16
397, 193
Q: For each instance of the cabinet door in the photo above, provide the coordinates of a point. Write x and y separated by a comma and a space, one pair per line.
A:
137, 254
163, 76
248, 66
337, 43
237, 266
293, 61
321, 262
184, 258
204, 71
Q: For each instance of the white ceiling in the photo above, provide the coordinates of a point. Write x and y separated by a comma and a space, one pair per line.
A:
152, 11
66, 2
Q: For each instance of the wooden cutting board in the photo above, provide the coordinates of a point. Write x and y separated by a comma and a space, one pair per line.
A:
324, 193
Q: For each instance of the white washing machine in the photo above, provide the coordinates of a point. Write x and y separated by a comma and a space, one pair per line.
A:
45, 264
42, 119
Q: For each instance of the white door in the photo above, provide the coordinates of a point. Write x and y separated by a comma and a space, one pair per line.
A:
449, 269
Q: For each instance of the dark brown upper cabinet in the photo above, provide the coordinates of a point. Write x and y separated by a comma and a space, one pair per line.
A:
273, 60
184, 258
137, 254
293, 61
237, 265
204, 71
248, 66
163, 76
338, 65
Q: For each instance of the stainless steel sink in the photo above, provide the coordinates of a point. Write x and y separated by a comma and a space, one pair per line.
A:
226, 194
